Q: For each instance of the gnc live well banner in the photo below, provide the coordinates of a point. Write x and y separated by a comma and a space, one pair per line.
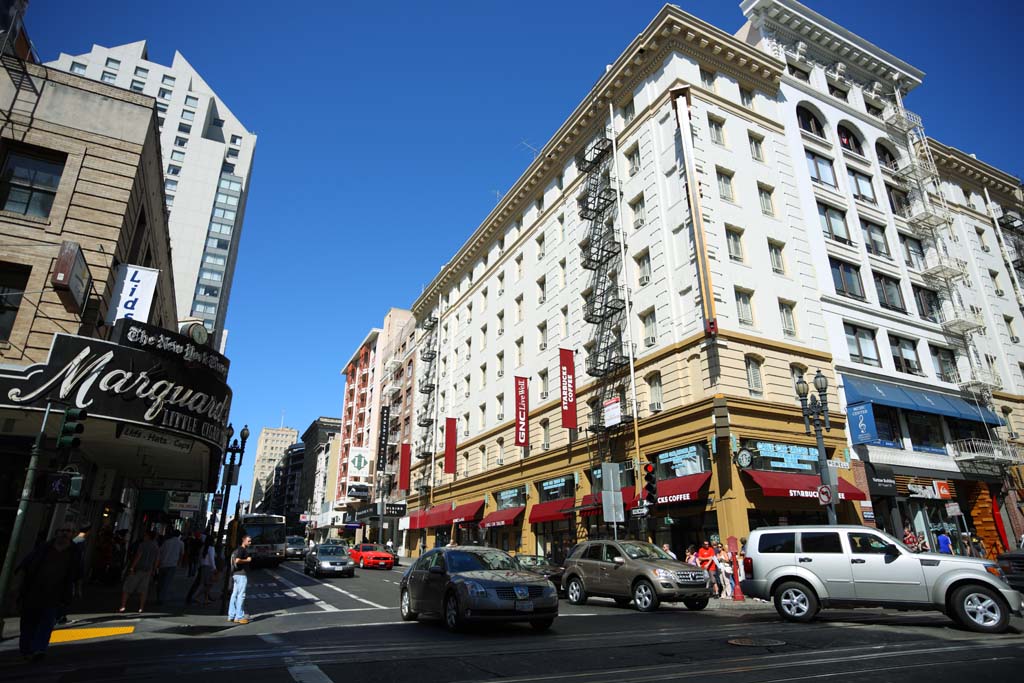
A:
450, 429
404, 463
567, 383
522, 411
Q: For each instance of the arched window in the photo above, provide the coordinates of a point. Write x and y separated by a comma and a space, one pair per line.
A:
848, 140
809, 122
885, 157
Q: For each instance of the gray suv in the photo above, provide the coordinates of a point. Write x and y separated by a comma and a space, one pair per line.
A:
633, 571
805, 568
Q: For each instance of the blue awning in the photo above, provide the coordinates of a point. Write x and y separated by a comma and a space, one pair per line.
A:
884, 393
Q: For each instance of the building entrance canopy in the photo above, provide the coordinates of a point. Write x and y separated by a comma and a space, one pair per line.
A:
551, 511
785, 485
505, 517
860, 390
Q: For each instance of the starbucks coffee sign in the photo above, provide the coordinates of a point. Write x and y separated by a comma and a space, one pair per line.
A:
147, 376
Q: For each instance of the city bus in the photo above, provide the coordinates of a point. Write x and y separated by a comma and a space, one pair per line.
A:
269, 539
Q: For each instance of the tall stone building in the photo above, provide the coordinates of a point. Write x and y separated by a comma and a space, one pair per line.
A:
270, 449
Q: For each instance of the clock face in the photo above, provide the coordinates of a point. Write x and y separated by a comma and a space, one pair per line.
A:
744, 458
198, 334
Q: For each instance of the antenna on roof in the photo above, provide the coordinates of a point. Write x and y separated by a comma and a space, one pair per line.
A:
530, 147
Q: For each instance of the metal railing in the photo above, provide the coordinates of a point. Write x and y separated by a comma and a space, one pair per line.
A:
982, 449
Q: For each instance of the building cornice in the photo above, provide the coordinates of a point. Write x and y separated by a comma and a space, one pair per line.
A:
951, 161
672, 30
370, 338
790, 27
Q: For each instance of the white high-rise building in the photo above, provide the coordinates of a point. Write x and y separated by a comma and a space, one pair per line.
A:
270, 448
207, 165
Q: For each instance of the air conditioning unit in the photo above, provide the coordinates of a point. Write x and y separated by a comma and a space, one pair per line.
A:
466, 394
501, 331
654, 406
501, 373
540, 255
542, 346
1015, 340
543, 395
545, 446
541, 299
985, 248
465, 432
645, 280
469, 320
500, 416
638, 223
501, 292
1000, 292
500, 462
650, 341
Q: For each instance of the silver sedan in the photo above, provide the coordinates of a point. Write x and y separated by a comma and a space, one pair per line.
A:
329, 559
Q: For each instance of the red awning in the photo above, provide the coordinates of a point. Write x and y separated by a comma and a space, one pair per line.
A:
439, 515
416, 519
592, 502
681, 489
467, 512
551, 511
785, 485
504, 517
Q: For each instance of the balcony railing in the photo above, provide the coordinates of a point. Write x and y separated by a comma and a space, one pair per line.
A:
915, 168
981, 449
981, 382
943, 266
901, 119
959, 320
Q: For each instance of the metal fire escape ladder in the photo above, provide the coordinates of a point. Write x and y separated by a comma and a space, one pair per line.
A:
15, 50
427, 387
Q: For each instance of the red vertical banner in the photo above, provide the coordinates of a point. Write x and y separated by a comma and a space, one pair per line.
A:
567, 383
404, 465
522, 411
451, 429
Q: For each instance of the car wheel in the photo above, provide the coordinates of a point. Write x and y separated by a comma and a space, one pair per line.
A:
406, 606
644, 596
980, 609
362, 563
452, 616
696, 604
540, 625
795, 601
623, 602
577, 595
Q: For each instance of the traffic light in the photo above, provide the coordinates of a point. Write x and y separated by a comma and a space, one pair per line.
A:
71, 427
650, 484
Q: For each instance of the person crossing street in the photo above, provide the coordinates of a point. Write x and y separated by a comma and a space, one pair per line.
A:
239, 564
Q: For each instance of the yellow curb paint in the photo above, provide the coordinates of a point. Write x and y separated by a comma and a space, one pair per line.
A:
68, 635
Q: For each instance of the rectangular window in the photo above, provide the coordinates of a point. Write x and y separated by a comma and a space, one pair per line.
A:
820, 169
78, 68
734, 240
798, 73
925, 432
164, 94
833, 223
873, 110
141, 72
650, 326
220, 228
820, 542
846, 278
191, 101
113, 63
108, 77
775, 254
228, 199
215, 243
639, 210
860, 341
13, 281
725, 185
944, 362
137, 86
904, 355
777, 543
654, 387
226, 214
173, 170
717, 131
211, 275
913, 252
756, 147
890, 295
226, 184
180, 142
707, 79
188, 115
177, 155
236, 139
788, 318
764, 194
874, 238
170, 185
28, 183
168, 80
214, 260
754, 383
899, 201
644, 265
184, 128
928, 305
837, 92
860, 186
747, 98
628, 112
887, 423
744, 307
633, 159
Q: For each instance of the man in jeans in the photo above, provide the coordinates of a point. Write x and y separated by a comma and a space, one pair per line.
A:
170, 558
240, 561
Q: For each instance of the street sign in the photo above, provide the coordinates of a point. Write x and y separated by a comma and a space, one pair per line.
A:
953, 509
611, 493
825, 494
218, 500
639, 511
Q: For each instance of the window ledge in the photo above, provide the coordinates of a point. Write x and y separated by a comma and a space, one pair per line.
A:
811, 137
25, 217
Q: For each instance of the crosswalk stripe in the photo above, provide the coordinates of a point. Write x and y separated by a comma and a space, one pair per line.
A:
302, 592
345, 593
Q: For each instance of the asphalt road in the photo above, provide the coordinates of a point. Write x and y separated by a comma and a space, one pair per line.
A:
334, 630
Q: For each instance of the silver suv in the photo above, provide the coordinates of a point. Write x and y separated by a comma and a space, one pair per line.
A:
633, 571
805, 568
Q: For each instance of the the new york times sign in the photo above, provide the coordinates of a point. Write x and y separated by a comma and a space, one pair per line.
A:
146, 376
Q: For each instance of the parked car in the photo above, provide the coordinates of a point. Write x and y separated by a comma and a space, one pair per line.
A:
296, 548
633, 571
329, 559
394, 554
1012, 564
463, 584
805, 568
372, 555
538, 564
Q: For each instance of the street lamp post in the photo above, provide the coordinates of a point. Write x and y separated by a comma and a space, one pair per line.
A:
234, 449
815, 410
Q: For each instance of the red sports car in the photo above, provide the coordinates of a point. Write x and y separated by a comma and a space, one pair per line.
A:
370, 555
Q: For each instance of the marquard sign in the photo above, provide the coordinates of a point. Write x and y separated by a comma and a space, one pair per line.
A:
146, 376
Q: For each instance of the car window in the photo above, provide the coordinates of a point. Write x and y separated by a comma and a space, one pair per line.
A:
610, 552
332, 550
471, 561
638, 550
863, 543
595, 551
530, 560
437, 560
820, 542
423, 563
784, 542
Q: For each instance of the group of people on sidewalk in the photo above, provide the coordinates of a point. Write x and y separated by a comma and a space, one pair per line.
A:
719, 563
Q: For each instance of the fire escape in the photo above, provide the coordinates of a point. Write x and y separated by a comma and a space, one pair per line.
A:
428, 405
929, 218
605, 304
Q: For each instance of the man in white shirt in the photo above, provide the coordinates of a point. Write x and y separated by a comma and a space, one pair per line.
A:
668, 550
171, 553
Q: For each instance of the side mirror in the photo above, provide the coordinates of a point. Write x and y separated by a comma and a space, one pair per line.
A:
436, 570
619, 559
892, 551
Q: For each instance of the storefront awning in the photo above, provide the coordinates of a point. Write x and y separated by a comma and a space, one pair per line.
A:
439, 515
505, 517
860, 390
786, 485
467, 512
592, 505
416, 519
681, 489
551, 511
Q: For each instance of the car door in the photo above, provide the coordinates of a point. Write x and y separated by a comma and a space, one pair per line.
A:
434, 583
821, 552
884, 572
615, 576
416, 580
589, 566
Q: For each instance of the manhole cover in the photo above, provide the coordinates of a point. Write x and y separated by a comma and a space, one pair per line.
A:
193, 630
756, 642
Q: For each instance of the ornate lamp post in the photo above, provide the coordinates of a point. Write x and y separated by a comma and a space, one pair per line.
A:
234, 449
815, 410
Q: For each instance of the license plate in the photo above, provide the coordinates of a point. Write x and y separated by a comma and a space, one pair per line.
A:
524, 606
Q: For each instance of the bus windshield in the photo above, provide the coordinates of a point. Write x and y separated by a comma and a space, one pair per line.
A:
265, 534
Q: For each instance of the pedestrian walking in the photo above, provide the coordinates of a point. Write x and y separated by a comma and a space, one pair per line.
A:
691, 555
51, 572
724, 570
207, 565
945, 543
910, 538
706, 560
172, 553
668, 551
239, 565
193, 547
140, 571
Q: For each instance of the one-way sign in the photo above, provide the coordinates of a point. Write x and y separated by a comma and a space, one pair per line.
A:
640, 511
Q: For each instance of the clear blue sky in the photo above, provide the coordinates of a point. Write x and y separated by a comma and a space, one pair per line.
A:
385, 129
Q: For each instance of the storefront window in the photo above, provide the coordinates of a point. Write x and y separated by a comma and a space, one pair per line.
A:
627, 476
887, 422
559, 487
680, 462
555, 539
926, 432
783, 457
511, 498
966, 429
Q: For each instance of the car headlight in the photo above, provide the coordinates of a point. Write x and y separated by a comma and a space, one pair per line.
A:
995, 571
664, 574
475, 589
